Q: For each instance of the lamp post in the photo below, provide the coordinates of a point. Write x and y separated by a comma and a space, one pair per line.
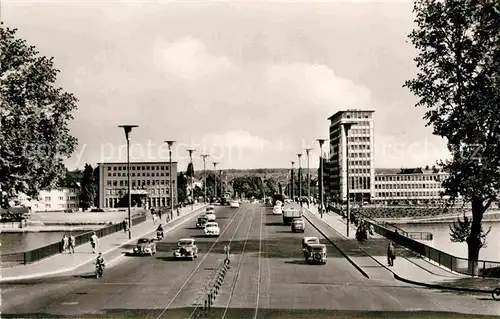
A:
170, 143
308, 177
300, 177
204, 156
127, 129
347, 127
215, 179
321, 142
292, 189
191, 151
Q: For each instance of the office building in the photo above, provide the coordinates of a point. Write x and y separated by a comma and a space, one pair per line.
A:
360, 143
150, 184
409, 186
54, 200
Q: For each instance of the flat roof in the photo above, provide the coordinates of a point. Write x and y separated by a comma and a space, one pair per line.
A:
350, 110
135, 163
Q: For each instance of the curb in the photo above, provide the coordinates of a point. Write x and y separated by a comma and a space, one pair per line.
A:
45, 274
337, 247
409, 281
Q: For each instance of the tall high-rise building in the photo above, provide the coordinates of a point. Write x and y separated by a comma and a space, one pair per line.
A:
361, 156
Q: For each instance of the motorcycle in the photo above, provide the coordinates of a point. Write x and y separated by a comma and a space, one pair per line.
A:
159, 235
496, 293
99, 270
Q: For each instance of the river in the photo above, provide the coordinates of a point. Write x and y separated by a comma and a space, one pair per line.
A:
441, 239
19, 242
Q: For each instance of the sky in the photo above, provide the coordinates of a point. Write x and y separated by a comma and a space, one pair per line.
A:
250, 83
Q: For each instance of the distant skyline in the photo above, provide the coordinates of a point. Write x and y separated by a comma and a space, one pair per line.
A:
251, 84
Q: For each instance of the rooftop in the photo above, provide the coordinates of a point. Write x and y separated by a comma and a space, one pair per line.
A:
135, 163
350, 110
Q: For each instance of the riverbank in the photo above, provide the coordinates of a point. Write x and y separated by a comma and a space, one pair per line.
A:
488, 217
54, 228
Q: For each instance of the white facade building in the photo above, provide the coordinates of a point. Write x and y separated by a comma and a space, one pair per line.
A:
53, 200
360, 143
149, 180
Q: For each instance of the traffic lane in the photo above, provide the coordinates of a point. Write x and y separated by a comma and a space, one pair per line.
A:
131, 270
242, 281
150, 283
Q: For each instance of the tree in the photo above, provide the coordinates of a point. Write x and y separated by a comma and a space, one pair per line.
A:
461, 228
181, 187
97, 180
88, 188
458, 82
34, 114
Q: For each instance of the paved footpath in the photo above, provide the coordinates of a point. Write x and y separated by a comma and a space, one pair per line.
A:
112, 246
408, 266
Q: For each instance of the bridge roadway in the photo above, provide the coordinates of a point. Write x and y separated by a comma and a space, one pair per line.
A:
267, 279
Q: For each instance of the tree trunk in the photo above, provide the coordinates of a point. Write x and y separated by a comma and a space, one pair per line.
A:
474, 239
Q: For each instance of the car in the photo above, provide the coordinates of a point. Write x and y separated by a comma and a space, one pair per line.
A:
210, 216
298, 225
309, 240
277, 210
212, 229
202, 221
315, 254
145, 246
234, 204
186, 248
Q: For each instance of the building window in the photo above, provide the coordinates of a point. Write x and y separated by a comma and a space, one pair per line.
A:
115, 183
109, 174
108, 183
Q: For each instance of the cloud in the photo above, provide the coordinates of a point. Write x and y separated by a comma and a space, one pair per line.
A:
319, 85
188, 59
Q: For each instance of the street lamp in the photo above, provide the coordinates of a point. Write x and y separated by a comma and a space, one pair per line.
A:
308, 177
292, 189
204, 156
215, 178
300, 178
191, 151
347, 127
128, 129
170, 143
321, 142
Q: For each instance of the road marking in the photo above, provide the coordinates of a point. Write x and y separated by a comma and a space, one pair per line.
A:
70, 303
199, 265
258, 271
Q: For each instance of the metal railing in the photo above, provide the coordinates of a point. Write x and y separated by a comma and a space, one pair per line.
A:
34, 255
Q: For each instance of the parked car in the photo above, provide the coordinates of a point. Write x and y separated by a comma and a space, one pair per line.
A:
210, 209
145, 246
298, 225
309, 240
315, 254
212, 229
234, 204
202, 221
186, 248
277, 210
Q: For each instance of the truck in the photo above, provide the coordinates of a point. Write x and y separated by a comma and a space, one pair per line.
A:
290, 213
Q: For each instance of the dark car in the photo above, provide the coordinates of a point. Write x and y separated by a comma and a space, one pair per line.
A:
315, 254
145, 246
298, 225
202, 221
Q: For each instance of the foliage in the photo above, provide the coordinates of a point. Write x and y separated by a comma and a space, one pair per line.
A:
34, 132
181, 187
97, 180
190, 170
88, 188
461, 228
458, 82
70, 179
254, 186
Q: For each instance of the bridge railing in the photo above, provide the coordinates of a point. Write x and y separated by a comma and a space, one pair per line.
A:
34, 255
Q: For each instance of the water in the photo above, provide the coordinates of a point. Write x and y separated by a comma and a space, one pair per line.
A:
441, 239
19, 242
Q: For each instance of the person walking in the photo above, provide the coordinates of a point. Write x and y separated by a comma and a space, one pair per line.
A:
125, 225
93, 242
155, 218
72, 242
391, 254
65, 244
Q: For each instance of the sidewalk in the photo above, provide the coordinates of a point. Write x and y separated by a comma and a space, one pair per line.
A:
408, 267
61, 263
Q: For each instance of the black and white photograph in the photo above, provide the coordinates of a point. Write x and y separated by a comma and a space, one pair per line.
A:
254, 159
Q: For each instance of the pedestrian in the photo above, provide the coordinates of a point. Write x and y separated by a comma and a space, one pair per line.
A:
72, 242
178, 211
391, 254
125, 225
155, 218
160, 212
64, 243
93, 242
